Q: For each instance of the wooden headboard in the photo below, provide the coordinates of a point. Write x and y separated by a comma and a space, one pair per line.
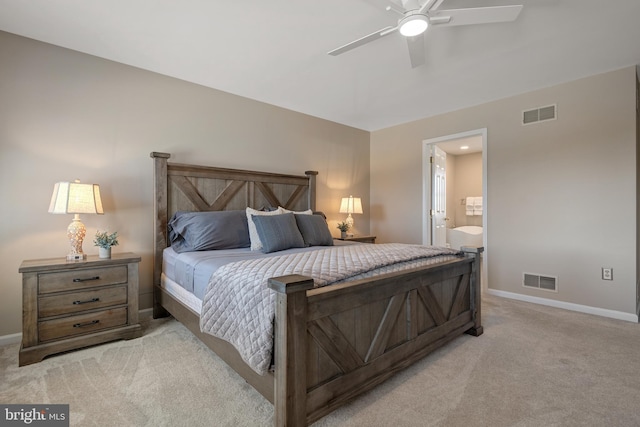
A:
182, 187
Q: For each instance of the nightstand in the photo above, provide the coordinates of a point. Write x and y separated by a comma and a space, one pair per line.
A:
363, 239
67, 305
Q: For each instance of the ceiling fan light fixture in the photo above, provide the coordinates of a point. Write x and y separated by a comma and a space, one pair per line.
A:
413, 25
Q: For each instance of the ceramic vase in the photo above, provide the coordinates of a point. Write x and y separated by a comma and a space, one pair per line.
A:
104, 252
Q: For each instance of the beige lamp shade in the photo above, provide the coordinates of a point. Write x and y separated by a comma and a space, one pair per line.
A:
76, 198
351, 205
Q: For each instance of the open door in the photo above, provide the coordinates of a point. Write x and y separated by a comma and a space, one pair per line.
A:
434, 221
438, 212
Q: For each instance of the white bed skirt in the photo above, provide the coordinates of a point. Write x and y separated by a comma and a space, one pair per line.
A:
181, 294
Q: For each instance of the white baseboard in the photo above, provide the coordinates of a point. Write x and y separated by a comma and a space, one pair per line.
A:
567, 305
10, 339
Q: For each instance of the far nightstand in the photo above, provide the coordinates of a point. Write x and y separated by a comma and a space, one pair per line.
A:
67, 305
363, 239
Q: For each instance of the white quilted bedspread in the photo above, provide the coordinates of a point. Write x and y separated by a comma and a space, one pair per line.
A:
239, 306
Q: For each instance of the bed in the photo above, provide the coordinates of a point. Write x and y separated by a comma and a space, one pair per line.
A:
332, 343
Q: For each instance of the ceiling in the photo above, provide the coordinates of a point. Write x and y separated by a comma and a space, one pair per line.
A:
275, 51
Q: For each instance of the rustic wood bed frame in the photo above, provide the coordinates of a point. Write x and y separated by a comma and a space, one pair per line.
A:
333, 343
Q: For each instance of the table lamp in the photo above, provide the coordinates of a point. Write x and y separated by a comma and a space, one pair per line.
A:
76, 198
350, 205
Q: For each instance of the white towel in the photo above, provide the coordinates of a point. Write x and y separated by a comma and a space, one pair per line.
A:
469, 205
477, 205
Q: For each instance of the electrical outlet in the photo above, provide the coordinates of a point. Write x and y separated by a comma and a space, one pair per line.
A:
607, 273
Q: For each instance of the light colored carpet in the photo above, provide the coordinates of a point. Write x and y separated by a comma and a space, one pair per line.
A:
534, 366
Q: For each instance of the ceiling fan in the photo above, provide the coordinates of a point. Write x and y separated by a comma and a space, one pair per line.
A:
416, 17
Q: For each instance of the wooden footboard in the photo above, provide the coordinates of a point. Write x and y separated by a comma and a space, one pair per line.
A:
334, 343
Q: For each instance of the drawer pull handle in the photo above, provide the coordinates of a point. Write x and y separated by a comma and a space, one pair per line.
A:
87, 279
87, 301
82, 325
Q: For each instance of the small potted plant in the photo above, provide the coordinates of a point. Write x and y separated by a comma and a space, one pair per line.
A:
343, 227
104, 241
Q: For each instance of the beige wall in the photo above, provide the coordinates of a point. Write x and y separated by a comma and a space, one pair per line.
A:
561, 194
67, 115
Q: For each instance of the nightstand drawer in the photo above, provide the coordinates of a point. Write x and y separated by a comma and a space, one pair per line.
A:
361, 239
81, 279
81, 324
74, 302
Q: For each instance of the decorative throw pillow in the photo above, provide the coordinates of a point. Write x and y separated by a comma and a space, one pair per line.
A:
256, 244
203, 231
314, 230
278, 232
307, 212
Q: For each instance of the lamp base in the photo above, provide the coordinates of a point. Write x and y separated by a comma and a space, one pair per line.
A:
349, 221
75, 233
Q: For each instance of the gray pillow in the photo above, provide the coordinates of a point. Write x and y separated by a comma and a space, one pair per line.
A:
314, 230
203, 231
278, 232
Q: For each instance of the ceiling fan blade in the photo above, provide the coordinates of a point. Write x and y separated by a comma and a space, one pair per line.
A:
363, 40
476, 15
427, 6
391, 5
416, 50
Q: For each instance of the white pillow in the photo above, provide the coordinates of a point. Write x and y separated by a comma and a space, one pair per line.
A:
307, 212
256, 244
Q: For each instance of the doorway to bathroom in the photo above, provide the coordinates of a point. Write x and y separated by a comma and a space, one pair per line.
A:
454, 196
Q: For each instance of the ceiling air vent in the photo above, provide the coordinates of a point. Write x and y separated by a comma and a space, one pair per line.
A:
538, 281
539, 115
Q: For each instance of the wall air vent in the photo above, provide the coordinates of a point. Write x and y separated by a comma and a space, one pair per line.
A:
539, 281
541, 114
